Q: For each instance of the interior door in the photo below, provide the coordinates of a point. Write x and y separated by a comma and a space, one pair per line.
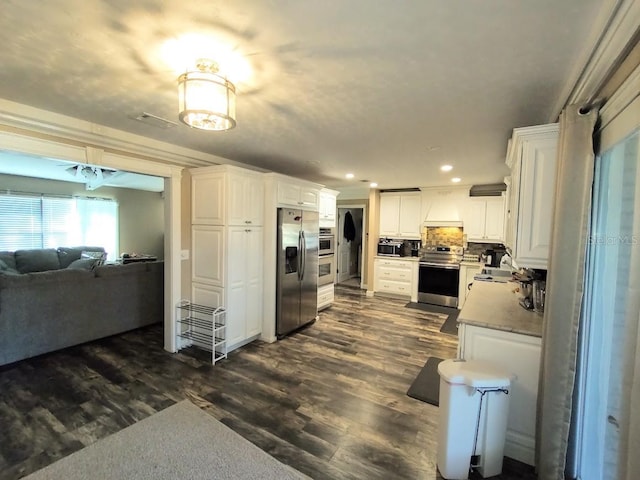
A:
344, 250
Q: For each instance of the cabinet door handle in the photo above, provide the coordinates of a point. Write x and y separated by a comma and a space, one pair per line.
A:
247, 230
247, 221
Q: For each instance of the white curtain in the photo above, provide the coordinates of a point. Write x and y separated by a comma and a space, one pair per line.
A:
565, 284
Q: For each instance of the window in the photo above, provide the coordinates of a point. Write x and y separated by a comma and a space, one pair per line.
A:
39, 221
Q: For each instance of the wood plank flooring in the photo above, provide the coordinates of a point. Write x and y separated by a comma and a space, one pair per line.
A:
329, 400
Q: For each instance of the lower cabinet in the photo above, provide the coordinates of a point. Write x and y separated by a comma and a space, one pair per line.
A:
519, 354
326, 295
396, 276
467, 272
238, 280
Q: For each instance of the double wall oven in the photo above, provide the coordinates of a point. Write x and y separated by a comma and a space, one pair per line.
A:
326, 256
439, 276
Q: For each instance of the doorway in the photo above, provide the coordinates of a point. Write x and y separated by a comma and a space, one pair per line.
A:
350, 245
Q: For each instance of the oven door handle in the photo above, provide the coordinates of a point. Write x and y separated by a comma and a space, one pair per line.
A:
440, 265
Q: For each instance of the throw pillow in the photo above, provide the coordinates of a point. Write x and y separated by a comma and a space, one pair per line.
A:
83, 264
99, 257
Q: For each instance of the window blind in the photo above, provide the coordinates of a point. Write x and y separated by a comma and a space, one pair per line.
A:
39, 221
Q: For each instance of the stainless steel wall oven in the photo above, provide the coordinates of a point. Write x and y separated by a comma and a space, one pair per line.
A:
327, 241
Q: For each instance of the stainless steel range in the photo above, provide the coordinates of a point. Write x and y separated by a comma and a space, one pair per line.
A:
439, 275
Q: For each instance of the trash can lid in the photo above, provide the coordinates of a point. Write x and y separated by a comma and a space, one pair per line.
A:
474, 373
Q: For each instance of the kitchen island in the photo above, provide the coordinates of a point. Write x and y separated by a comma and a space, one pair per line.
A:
494, 327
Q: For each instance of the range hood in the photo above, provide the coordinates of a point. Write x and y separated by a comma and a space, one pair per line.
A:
442, 223
444, 208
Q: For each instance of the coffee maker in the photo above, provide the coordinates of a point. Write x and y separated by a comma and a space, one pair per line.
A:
494, 255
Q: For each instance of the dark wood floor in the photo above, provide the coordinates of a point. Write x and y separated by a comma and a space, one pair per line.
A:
329, 400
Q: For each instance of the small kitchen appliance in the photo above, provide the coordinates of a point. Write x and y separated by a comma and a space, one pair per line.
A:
389, 248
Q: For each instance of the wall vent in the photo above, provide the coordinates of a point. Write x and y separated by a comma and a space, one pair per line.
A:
489, 190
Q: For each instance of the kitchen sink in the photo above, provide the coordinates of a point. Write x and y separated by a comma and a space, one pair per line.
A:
496, 272
489, 274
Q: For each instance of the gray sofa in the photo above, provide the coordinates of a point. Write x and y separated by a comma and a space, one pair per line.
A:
52, 299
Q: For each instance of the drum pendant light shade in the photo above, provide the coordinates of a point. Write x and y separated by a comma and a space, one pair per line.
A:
206, 100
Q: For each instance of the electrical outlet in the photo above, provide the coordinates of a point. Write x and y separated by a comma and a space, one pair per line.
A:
184, 254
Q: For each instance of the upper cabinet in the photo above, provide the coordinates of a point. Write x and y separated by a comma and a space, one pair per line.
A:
298, 194
484, 219
400, 215
327, 207
532, 157
226, 195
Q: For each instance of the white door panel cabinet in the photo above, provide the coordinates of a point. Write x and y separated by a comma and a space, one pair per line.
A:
327, 208
400, 215
467, 272
532, 157
484, 219
227, 256
520, 355
398, 277
298, 194
226, 195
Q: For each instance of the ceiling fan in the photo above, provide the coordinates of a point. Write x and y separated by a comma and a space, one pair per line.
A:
93, 177
89, 173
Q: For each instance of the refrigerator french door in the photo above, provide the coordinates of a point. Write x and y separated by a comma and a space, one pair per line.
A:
297, 270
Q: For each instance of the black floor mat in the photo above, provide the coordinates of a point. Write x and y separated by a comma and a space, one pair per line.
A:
426, 386
450, 325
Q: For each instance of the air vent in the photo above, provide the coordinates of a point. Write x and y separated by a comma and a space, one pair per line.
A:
153, 120
399, 190
489, 190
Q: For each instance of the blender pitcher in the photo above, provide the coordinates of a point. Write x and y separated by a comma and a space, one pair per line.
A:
538, 293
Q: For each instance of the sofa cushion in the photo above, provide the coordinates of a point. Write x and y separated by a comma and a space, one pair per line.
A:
38, 260
9, 259
6, 270
66, 255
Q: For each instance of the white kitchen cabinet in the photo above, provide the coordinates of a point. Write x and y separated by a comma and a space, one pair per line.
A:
484, 219
396, 276
294, 194
400, 215
327, 209
244, 284
227, 257
520, 355
326, 296
467, 272
226, 195
532, 157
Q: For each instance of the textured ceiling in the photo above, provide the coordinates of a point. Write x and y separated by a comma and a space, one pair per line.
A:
388, 90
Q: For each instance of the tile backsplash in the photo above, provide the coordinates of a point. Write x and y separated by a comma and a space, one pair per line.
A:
434, 236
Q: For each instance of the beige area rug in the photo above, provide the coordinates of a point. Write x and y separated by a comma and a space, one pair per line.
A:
181, 442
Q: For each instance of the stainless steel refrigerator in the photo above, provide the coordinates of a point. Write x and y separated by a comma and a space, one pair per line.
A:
297, 277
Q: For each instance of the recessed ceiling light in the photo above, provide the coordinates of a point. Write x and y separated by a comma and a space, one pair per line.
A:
434, 148
455, 180
373, 184
446, 168
349, 176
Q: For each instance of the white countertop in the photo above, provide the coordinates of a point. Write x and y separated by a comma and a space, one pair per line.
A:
494, 305
387, 257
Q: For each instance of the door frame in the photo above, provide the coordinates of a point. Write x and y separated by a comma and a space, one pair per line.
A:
363, 243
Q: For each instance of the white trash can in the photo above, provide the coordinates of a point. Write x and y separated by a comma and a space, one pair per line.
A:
474, 405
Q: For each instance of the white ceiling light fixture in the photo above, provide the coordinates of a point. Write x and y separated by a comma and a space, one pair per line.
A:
373, 184
446, 168
207, 100
456, 180
349, 176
